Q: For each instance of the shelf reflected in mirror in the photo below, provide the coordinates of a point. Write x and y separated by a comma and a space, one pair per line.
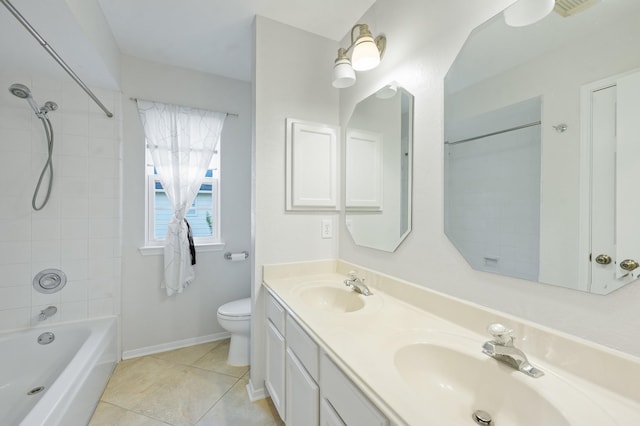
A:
378, 173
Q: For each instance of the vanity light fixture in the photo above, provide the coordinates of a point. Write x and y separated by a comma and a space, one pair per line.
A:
527, 12
366, 55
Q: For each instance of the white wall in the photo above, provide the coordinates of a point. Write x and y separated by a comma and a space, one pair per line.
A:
78, 230
292, 79
151, 320
423, 39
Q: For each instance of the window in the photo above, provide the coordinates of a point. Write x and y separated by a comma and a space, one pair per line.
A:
203, 216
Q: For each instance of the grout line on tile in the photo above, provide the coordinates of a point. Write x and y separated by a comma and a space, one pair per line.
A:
218, 400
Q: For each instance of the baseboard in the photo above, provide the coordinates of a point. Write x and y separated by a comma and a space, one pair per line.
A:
149, 350
255, 394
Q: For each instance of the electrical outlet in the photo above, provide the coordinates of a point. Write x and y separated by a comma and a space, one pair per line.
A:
326, 231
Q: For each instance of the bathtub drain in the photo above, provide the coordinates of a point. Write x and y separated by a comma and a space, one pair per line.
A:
35, 390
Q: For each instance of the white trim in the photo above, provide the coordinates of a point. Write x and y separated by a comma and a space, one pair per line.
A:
200, 248
255, 394
149, 350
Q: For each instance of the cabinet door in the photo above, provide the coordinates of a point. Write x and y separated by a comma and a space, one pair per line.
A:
328, 416
303, 394
349, 403
274, 380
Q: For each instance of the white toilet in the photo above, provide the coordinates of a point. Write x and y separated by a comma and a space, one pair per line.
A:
235, 317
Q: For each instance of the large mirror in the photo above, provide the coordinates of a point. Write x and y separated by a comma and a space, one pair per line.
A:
378, 152
538, 155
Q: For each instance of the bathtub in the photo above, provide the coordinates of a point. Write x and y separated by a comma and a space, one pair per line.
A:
58, 383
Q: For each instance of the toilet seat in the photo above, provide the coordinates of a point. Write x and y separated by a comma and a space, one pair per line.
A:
237, 309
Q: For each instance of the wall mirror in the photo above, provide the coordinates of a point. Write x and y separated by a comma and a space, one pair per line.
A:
537, 155
378, 156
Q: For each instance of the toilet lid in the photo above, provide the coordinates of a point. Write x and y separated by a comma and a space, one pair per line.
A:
237, 308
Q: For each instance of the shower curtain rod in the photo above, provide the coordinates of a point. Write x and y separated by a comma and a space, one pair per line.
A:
54, 55
232, 114
524, 126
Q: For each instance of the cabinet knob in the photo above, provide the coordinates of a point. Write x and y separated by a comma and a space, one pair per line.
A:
603, 259
629, 264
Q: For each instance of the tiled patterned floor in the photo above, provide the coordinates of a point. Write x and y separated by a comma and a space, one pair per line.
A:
189, 386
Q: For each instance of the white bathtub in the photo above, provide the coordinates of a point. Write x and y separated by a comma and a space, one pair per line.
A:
73, 370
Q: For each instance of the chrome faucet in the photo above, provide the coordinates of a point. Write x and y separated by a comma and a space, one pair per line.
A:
502, 349
47, 312
357, 284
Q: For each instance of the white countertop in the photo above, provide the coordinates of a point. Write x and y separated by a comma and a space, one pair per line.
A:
365, 343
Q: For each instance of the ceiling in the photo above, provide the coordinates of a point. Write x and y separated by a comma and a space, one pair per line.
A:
213, 36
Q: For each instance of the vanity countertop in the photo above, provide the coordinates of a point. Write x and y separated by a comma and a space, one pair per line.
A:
372, 338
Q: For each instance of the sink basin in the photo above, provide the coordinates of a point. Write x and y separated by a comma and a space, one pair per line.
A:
331, 298
457, 383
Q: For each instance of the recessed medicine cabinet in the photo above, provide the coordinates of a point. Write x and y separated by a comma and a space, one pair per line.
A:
312, 166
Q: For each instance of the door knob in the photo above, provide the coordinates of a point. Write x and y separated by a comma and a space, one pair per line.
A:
603, 259
629, 264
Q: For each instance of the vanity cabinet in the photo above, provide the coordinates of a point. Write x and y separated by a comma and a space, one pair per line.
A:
275, 356
301, 376
306, 387
343, 401
328, 415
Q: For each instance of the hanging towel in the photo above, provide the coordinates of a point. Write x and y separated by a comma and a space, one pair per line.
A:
192, 247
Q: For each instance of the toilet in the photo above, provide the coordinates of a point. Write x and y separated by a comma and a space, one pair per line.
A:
235, 317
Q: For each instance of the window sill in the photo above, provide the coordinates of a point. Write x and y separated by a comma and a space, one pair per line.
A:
200, 248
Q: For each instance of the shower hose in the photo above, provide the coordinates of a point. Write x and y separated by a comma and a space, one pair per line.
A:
48, 166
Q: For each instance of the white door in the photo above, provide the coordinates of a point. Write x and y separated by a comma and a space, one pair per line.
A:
615, 148
628, 176
603, 194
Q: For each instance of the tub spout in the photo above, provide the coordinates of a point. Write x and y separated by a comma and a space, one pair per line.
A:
47, 312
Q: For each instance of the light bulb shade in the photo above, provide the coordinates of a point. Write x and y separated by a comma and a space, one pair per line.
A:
366, 55
527, 12
343, 74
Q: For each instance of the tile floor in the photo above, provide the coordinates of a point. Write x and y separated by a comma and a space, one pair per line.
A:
189, 386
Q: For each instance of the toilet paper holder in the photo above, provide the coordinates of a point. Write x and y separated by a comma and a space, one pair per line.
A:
243, 255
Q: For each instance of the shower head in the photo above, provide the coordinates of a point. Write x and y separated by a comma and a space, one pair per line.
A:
23, 92
20, 90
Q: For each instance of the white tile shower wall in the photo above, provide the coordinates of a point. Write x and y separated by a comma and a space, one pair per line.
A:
79, 229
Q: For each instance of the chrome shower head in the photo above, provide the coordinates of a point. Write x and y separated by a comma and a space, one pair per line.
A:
23, 92
20, 90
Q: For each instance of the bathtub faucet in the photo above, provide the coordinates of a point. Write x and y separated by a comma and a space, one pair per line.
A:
47, 312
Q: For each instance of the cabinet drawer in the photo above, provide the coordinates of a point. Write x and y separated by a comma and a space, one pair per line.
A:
275, 312
349, 403
303, 346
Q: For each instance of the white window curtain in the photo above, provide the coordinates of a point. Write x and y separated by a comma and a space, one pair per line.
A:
182, 141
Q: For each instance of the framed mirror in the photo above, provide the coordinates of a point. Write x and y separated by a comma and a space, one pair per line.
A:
378, 157
534, 180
